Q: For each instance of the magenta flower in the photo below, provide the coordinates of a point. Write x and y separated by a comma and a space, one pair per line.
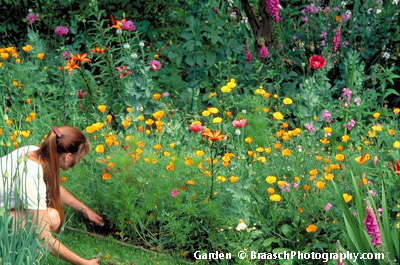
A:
174, 193
128, 25
122, 71
326, 116
263, 51
309, 127
61, 30
155, 65
67, 56
371, 225
273, 9
32, 18
239, 123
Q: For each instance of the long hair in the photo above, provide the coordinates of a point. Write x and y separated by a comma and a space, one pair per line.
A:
67, 140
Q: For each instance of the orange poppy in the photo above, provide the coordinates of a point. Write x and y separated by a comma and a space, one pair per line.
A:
81, 57
97, 50
213, 135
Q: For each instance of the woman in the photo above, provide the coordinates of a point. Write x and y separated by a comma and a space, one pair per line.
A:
35, 175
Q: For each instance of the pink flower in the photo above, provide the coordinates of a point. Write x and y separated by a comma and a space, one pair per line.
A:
273, 9
32, 18
239, 123
128, 25
196, 127
263, 51
155, 65
248, 54
328, 206
61, 30
67, 56
122, 71
371, 225
174, 193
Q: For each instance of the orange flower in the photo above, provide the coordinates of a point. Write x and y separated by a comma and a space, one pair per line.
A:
70, 65
347, 197
124, 123
213, 135
109, 118
40, 55
63, 179
118, 23
27, 48
106, 176
190, 182
97, 50
28, 100
99, 149
81, 57
233, 179
320, 185
311, 228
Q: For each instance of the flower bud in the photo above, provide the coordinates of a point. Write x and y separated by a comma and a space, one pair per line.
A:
237, 132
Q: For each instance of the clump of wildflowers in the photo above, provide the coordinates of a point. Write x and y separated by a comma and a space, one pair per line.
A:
336, 39
263, 51
350, 125
346, 96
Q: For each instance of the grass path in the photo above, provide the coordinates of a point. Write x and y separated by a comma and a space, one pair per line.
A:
111, 251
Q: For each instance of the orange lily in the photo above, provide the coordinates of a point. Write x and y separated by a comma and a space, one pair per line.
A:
97, 50
213, 135
118, 24
81, 57
70, 65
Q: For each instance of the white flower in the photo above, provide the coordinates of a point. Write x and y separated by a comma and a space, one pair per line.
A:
378, 11
386, 55
126, 46
141, 44
241, 226
134, 56
119, 31
395, 2
237, 132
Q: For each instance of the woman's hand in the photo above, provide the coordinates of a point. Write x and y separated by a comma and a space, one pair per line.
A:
92, 216
93, 262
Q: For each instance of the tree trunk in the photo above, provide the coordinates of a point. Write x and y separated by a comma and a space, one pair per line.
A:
261, 26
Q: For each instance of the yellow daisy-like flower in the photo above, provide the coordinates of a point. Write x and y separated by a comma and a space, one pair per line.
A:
275, 197
270, 179
213, 110
277, 116
259, 91
217, 120
287, 101
206, 113
226, 89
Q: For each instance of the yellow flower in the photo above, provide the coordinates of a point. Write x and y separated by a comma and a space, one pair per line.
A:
248, 140
226, 89
99, 149
4, 55
217, 120
345, 138
271, 190
15, 83
270, 179
149, 122
396, 111
329, 176
311, 228
157, 147
347, 197
281, 183
206, 113
362, 159
220, 179
212, 94
392, 132
320, 185
277, 116
259, 91
40, 55
275, 197
313, 172
9, 122
287, 101
286, 152
106, 176
102, 108
213, 110
396, 144
376, 115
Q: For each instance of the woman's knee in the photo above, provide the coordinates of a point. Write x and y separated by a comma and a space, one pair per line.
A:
54, 219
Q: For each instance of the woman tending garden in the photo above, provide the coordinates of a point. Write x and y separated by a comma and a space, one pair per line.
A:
217, 129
